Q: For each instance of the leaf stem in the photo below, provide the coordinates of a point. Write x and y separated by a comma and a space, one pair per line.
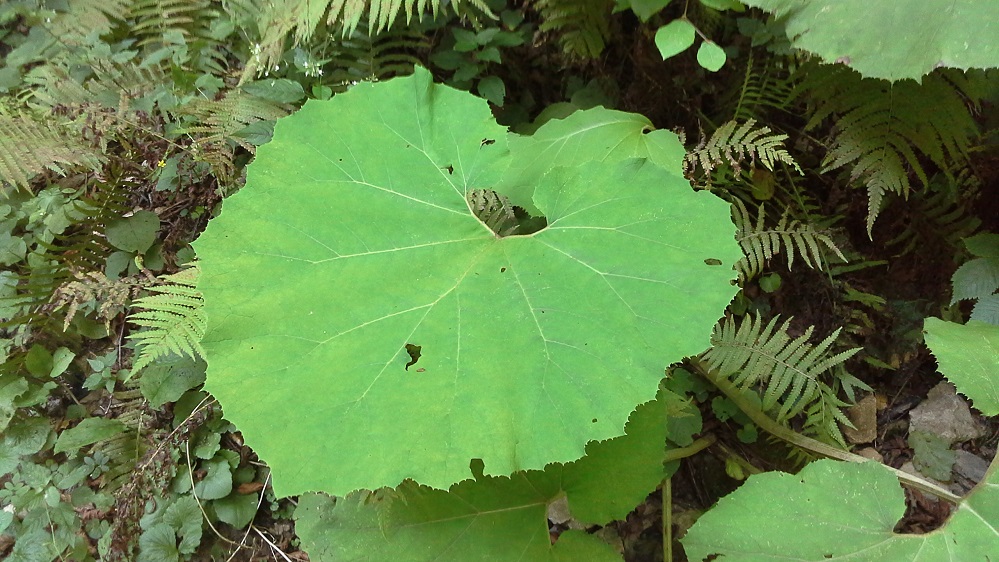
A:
770, 426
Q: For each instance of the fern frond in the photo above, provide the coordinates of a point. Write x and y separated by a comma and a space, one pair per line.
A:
110, 295
883, 131
582, 26
83, 17
187, 23
300, 19
219, 120
156, 18
494, 210
30, 146
216, 127
79, 247
789, 371
766, 85
364, 57
933, 217
760, 243
124, 450
733, 144
174, 319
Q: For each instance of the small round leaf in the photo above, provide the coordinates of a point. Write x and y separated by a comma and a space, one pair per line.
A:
674, 38
710, 56
134, 234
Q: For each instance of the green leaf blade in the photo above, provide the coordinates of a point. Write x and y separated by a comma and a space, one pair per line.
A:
710, 56
497, 518
836, 510
674, 38
968, 355
892, 40
524, 339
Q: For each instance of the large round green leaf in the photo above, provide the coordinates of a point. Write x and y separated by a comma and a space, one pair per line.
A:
894, 39
499, 518
834, 510
366, 327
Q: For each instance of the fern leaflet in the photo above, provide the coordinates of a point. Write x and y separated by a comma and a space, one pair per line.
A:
174, 319
29, 147
765, 85
494, 210
760, 243
789, 370
733, 144
883, 130
582, 25
301, 18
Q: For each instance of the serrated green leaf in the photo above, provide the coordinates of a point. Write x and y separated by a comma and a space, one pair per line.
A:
932, 455
968, 355
493, 89
256, 133
710, 56
524, 339
892, 40
11, 387
23, 437
236, 509
975, 278
208, 444
582, 136
166, 380
217, 482
986, 310
835, 510
6, 518
496, 518
674, 38
279, 90
185, 517
984, 245
12, 248
87, 432
158, 544
134, 234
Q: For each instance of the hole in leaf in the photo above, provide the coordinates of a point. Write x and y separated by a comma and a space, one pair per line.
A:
487, 142
594, 420
414, 354
449, 168
502, 217
502, 269
713, 261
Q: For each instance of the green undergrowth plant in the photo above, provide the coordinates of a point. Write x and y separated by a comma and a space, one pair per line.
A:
761, 242
793, 376
490, 354
887, 132
459, 332
858, 504
173, 317
678, 35
978, 278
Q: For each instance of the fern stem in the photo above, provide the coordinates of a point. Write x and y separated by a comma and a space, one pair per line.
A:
690, 450
798, 440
